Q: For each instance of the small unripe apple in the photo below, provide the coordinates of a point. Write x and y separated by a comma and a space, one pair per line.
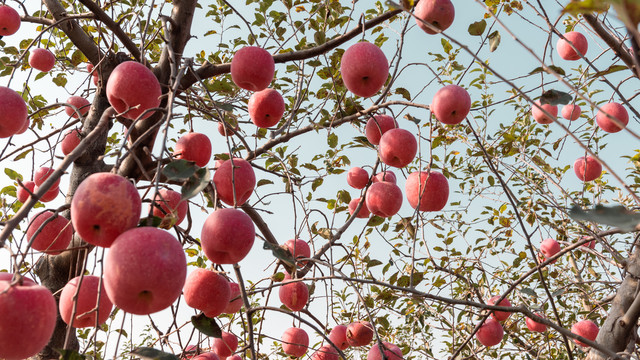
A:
22, 192
227, 236
70, 141
79, 103
237, 178
359, 333
608, 112
42, 59
549, 247
13, 113
364, 69
439, 13
535, 326
194, 147
428, 189
490, 333
587, 168
398, 148
207, 291
364, 211
338, 337
299, 249
377, 126
388, 176
579, 41
54, 237
252, 68
357, 177
92, 306
295, 342
499, 315
9, 21
540, 117
571, 112
42, 174
169, 203
391, 352
235, 299
325, 352
266, 108
132, 89
587, 329
226, 345
293, 294
451, 104
384, 199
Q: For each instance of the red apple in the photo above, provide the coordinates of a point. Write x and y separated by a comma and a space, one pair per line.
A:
364, 69
235, 299
295, 342
566, 51
451, 104
194, 147
144, 270
384, 176
168, 202
398, 148
70, 141
299, 249
293, 294
132, 89
571, 112
549, 247
79, 103
359, 333
54, 237
326, 352
207, 356
234, 357
266, 108
535, 326
587, 168
428, 189
207, 291
13, 112
42, 174
587, 329
50, 195
607, 114
104, 206
357, 177
591, 244
364, 211
540, 117
242, 179
9, 21
499, 315
227, 236
439, 13
5, 276
384, 199
226, 345
28, 319
252, 68
92, 307
490, 333
42, 59
377, 126
338, 337
227, 130
391, 352
22, 192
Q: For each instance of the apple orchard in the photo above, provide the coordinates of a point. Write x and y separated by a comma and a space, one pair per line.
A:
319, 179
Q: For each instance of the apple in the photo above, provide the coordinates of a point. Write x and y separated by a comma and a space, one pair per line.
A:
94, 74
608, 112
587, 329
79, 103
364, 211
235, 299
540, 117
42, 174
168, 202
22, 192
490, 333
234, 357
144, 270
591, 244
293, 294
566, 51
359, 333
252, 68
571, 112
49, 195
92, 306
237, 178
194, 147
364, 69
357, 177
549, 247
9, 21
499, 315
299, 249
398, 147
391, 352
384, 199
104, 206
55, 235
227, 236
377, 126
439, 13
207, 356
535, 326
70, 141
13, 113
295, 342
587, 168
338, 337
384, 176
28, 319
226, 345
132, 89
42, 59
23, 280
427, 190
207, 291
266, 108
451, 104
227, 130
325, 352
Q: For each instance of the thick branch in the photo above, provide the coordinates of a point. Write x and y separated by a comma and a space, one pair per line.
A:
616, 45
180, 33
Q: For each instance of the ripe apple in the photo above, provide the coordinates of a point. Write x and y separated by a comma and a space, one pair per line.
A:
50, 195
384, 199
359, 333
42, 59
227, 236
28, 319
266, 108
104, 206
252, 68
385, 176
427, 190
377, 126
549, 247
439, 13
239, 177
132, 89
490, 333
338, 337
571, 112
235, 299
325, 352
357, 177
144, 270
13, 112
226, 345
168, 202
587, 329
70, 141
591, 244
93, 306
9, 21
207, 291
22, 192
607, 114
295, 342
398, 148
293, 294
499, 315
207, 356
299, 249
451, 104
230, 128
55, 235
42, 174
540, 117
566, 51
83, 105
234, 357
391, 352
364, 211
194, 147
364, 69
587, 168
535, 326
5, 276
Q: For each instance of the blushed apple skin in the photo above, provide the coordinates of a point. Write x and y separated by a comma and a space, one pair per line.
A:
226, 345
384, 199
5, 276
617, 111
451, 104
194, 147
22, 194
364, 211
535, 326
207, 356
227, 236
293, 294
104, 206
392, 352
549, 247
387, 175
234, 305
490, 333
243, 181
364, 69
359, 333
357, 177
435, 190
540, 117
90, 287
168, 201
83, 105
397, 148
295, 342
13, 112
132, 84
9, 21
70, 141
499, 315
144, 270
587, 168
42, 174
338, 337
566, 51
325, 352
252, 68
266, 108
28, 319
587, 329
50, 195
55, 235
207, 291
439, 13
571, 112
299, 249
42, 59
377, 126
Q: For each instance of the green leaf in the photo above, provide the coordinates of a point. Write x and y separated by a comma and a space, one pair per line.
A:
153, 221
404, 92
610, 69
317, 182
279, 252
13, 175
264, 182
494, 40
153, 354
196, 183
555, 97
179, 170
332, 140
585, 6
70, 355
206, 325
446, 45
529, 292
375, 220
616, 215
60, 80
477, 28
557, 69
